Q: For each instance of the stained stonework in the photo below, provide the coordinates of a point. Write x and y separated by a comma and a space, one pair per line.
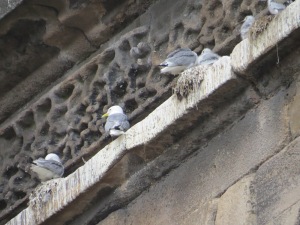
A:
7, 6
237, 204
63, 63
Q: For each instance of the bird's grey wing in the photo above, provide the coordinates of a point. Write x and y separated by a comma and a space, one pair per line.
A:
125, 125
208, 57
180, 50
54, 166
277, 6
247, 25
182, 59
117, 120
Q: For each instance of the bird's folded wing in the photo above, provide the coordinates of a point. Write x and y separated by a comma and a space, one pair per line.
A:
54, 166
117, 120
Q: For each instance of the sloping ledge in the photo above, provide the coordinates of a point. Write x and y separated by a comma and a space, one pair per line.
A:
55, 195
246, 56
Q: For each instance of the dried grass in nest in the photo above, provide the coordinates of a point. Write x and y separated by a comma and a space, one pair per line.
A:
42, 194
259, 26
189, 80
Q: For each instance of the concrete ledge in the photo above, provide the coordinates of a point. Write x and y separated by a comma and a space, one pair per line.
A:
219, 81
245, 57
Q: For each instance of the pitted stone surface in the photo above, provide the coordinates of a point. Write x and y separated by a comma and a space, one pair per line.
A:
40, 117
144, 136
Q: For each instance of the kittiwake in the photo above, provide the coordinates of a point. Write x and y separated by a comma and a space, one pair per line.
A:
207, 57
248, 21
274, 7
48, 168
116, 122
178, 60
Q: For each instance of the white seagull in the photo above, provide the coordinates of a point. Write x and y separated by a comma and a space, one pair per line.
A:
274, 7
116, 122
48, 168
248, 21
207, 57
178, 60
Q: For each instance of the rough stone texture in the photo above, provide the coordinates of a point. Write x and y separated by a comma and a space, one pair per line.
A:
95, 70
160, 130
294, 108
272, 44
205, 215
7, 6
208, 173
237, 205
277, 186
40, 117
170, 158
289, 216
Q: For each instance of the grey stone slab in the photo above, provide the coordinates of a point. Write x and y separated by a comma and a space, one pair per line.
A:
237, 205
278, 184
289, 216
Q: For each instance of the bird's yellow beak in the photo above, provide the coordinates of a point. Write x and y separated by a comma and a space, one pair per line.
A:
104, 115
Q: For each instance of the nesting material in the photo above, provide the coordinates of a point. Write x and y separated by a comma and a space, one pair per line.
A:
259, 26
189, 80
42, 194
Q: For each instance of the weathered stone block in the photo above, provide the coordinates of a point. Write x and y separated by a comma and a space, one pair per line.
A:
294, 109
277, 185
237, 205
214, 168
205, 214
290, 216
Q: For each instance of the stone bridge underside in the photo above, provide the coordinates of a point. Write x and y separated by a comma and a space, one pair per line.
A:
63, 63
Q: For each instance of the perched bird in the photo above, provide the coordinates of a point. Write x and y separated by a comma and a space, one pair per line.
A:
248, 21
117, 122
274, 7
207, 57
179, 60
48, 168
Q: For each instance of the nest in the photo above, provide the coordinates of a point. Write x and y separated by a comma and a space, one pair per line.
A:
259, 26
42, 194
189, 81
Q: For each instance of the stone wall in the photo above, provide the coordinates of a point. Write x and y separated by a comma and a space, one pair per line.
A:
54, 105
247, 174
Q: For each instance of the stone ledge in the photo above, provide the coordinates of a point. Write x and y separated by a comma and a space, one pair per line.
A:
6, 6
246, 57
44, 126
220, 82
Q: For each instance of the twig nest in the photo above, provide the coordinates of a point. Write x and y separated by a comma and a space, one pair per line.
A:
189, 81
259, 26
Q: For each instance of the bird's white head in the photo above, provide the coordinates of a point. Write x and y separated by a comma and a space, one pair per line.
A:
113, 110
249, 18
53, 156
205, 51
